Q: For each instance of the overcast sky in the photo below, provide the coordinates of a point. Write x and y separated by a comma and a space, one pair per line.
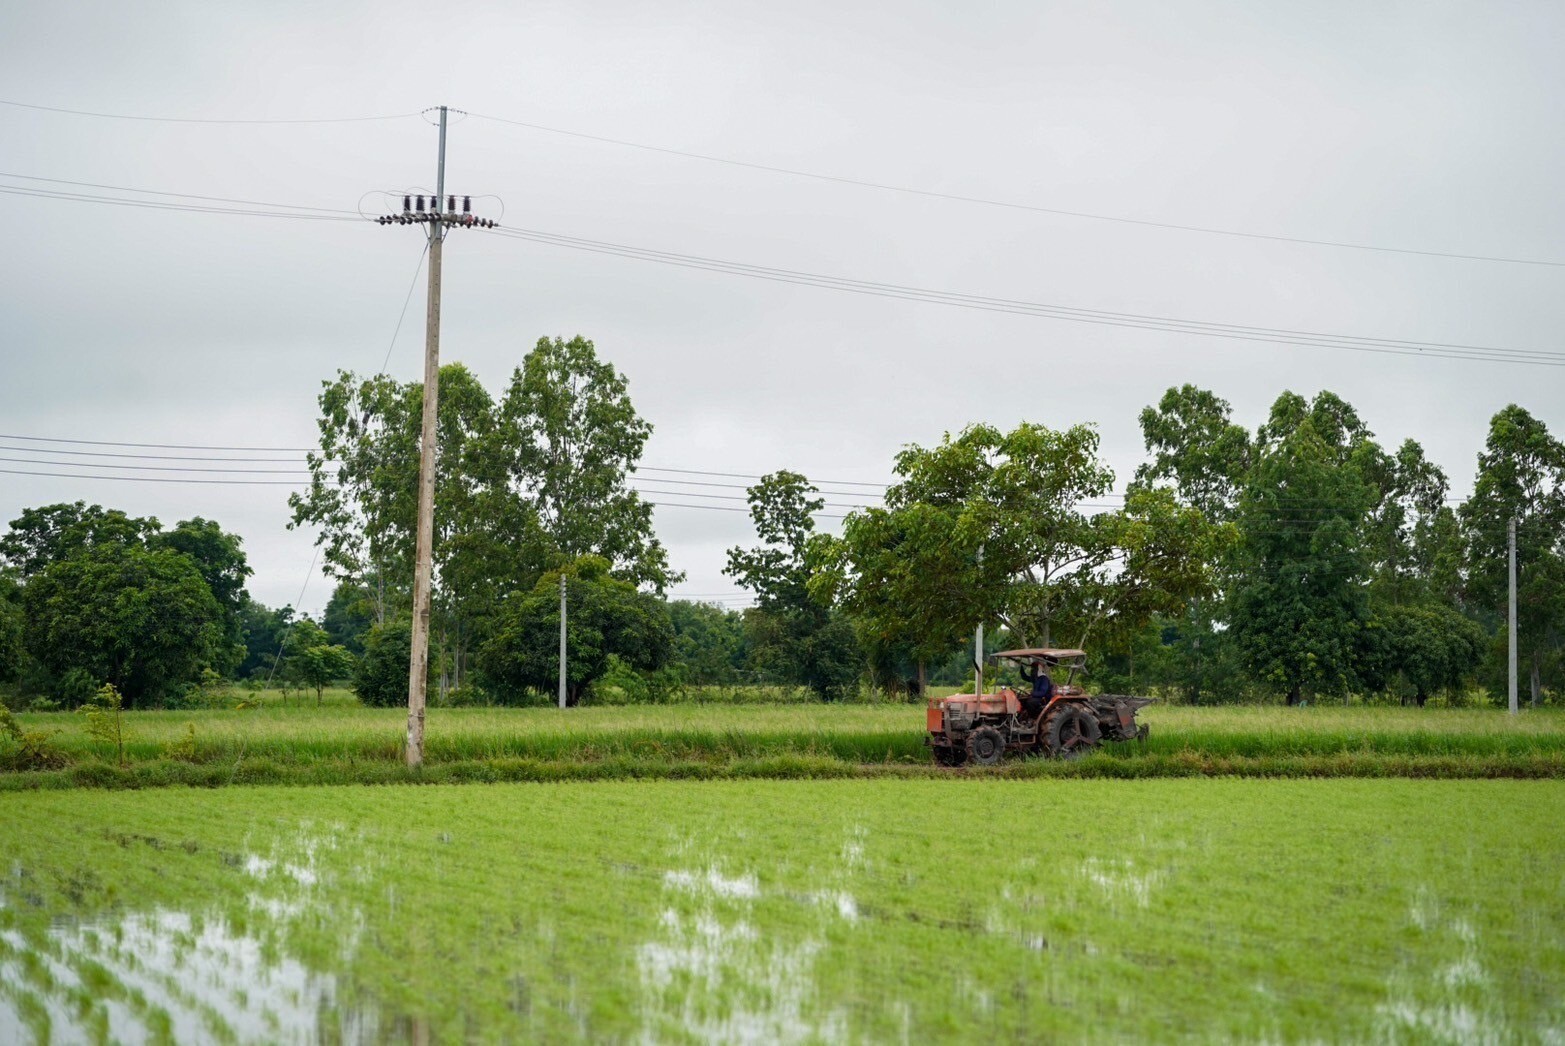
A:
1428, 127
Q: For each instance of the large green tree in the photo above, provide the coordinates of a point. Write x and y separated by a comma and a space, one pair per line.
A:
220, 557
793, 635
525, 484
571, 438
604, 616
1521, 477
1300, 602
1025, 540
142, 619
44, 535
1197, 449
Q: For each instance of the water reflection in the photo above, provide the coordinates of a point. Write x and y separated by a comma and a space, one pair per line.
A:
134, 976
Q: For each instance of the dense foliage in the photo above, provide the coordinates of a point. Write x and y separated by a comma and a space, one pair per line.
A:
1300, 561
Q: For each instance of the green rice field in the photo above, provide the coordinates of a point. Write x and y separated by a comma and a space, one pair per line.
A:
967, 908
339, 743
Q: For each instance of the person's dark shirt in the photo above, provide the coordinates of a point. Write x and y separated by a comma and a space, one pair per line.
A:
1042, 685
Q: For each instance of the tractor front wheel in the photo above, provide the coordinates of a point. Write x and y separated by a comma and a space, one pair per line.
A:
1072, 731
985, 746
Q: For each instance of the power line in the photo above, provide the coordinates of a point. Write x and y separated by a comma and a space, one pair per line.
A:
1100, 317
298, 485
150, 446
1201, 328
155, 205
1011, 205
180, 195
405, 302
202, 120
152, 468
135, 457
753, 475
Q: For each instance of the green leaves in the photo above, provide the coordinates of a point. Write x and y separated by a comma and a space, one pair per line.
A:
605, 616
141, 619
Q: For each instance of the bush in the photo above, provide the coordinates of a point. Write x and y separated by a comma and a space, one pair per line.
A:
381, 676
621, 684
75, 688
27, 749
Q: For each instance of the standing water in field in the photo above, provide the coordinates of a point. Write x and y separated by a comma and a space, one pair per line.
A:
787, 912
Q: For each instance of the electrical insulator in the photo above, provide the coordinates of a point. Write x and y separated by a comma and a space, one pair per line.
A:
407, 204
450, 203
467, 205
421, 204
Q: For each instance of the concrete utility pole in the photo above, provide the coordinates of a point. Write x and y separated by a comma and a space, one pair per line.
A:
442, 214
1511, 542
562, 640
423, 565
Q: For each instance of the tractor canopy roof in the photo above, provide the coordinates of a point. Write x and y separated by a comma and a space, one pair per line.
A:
1053, 655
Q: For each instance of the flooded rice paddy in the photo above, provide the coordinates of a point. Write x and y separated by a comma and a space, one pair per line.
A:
787, 912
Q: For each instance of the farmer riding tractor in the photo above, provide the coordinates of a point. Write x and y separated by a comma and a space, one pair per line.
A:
1049, 718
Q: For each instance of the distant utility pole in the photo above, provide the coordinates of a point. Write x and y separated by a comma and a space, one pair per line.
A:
1510, 533
562, 640
437, 220
978, 642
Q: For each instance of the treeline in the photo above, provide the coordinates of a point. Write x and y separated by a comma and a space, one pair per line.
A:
1301, 561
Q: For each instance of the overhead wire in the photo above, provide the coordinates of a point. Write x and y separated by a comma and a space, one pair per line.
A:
1074, 314
205, 120
156, 205
180, 195
1013, 205
405, 303
1167, 324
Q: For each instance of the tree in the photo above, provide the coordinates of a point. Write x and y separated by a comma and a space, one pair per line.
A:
904, 578
1300, 603
524, 485
141, 619
349, 614
1429, 647
313, 660
605, 616
791, 634
321, 664
45, 535
1197, 450
571, 439
709, 642
221, 559
381, 676
11, 648
1521, 476
264, 630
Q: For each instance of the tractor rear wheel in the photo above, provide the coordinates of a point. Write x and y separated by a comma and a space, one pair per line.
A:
1072, 730
985, 746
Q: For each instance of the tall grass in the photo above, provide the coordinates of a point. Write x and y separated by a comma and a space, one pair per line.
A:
355, 744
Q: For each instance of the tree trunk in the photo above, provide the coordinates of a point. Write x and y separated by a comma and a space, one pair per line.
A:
923, 679
1535, 681
1294, 695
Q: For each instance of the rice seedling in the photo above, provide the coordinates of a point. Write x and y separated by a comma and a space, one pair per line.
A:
789, 911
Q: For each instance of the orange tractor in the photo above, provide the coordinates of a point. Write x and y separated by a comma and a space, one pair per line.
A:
980, 728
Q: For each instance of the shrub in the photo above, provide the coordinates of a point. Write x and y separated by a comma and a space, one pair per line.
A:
27, 749
381, 676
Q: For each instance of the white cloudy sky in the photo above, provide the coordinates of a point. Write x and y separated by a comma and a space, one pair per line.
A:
1428, 127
